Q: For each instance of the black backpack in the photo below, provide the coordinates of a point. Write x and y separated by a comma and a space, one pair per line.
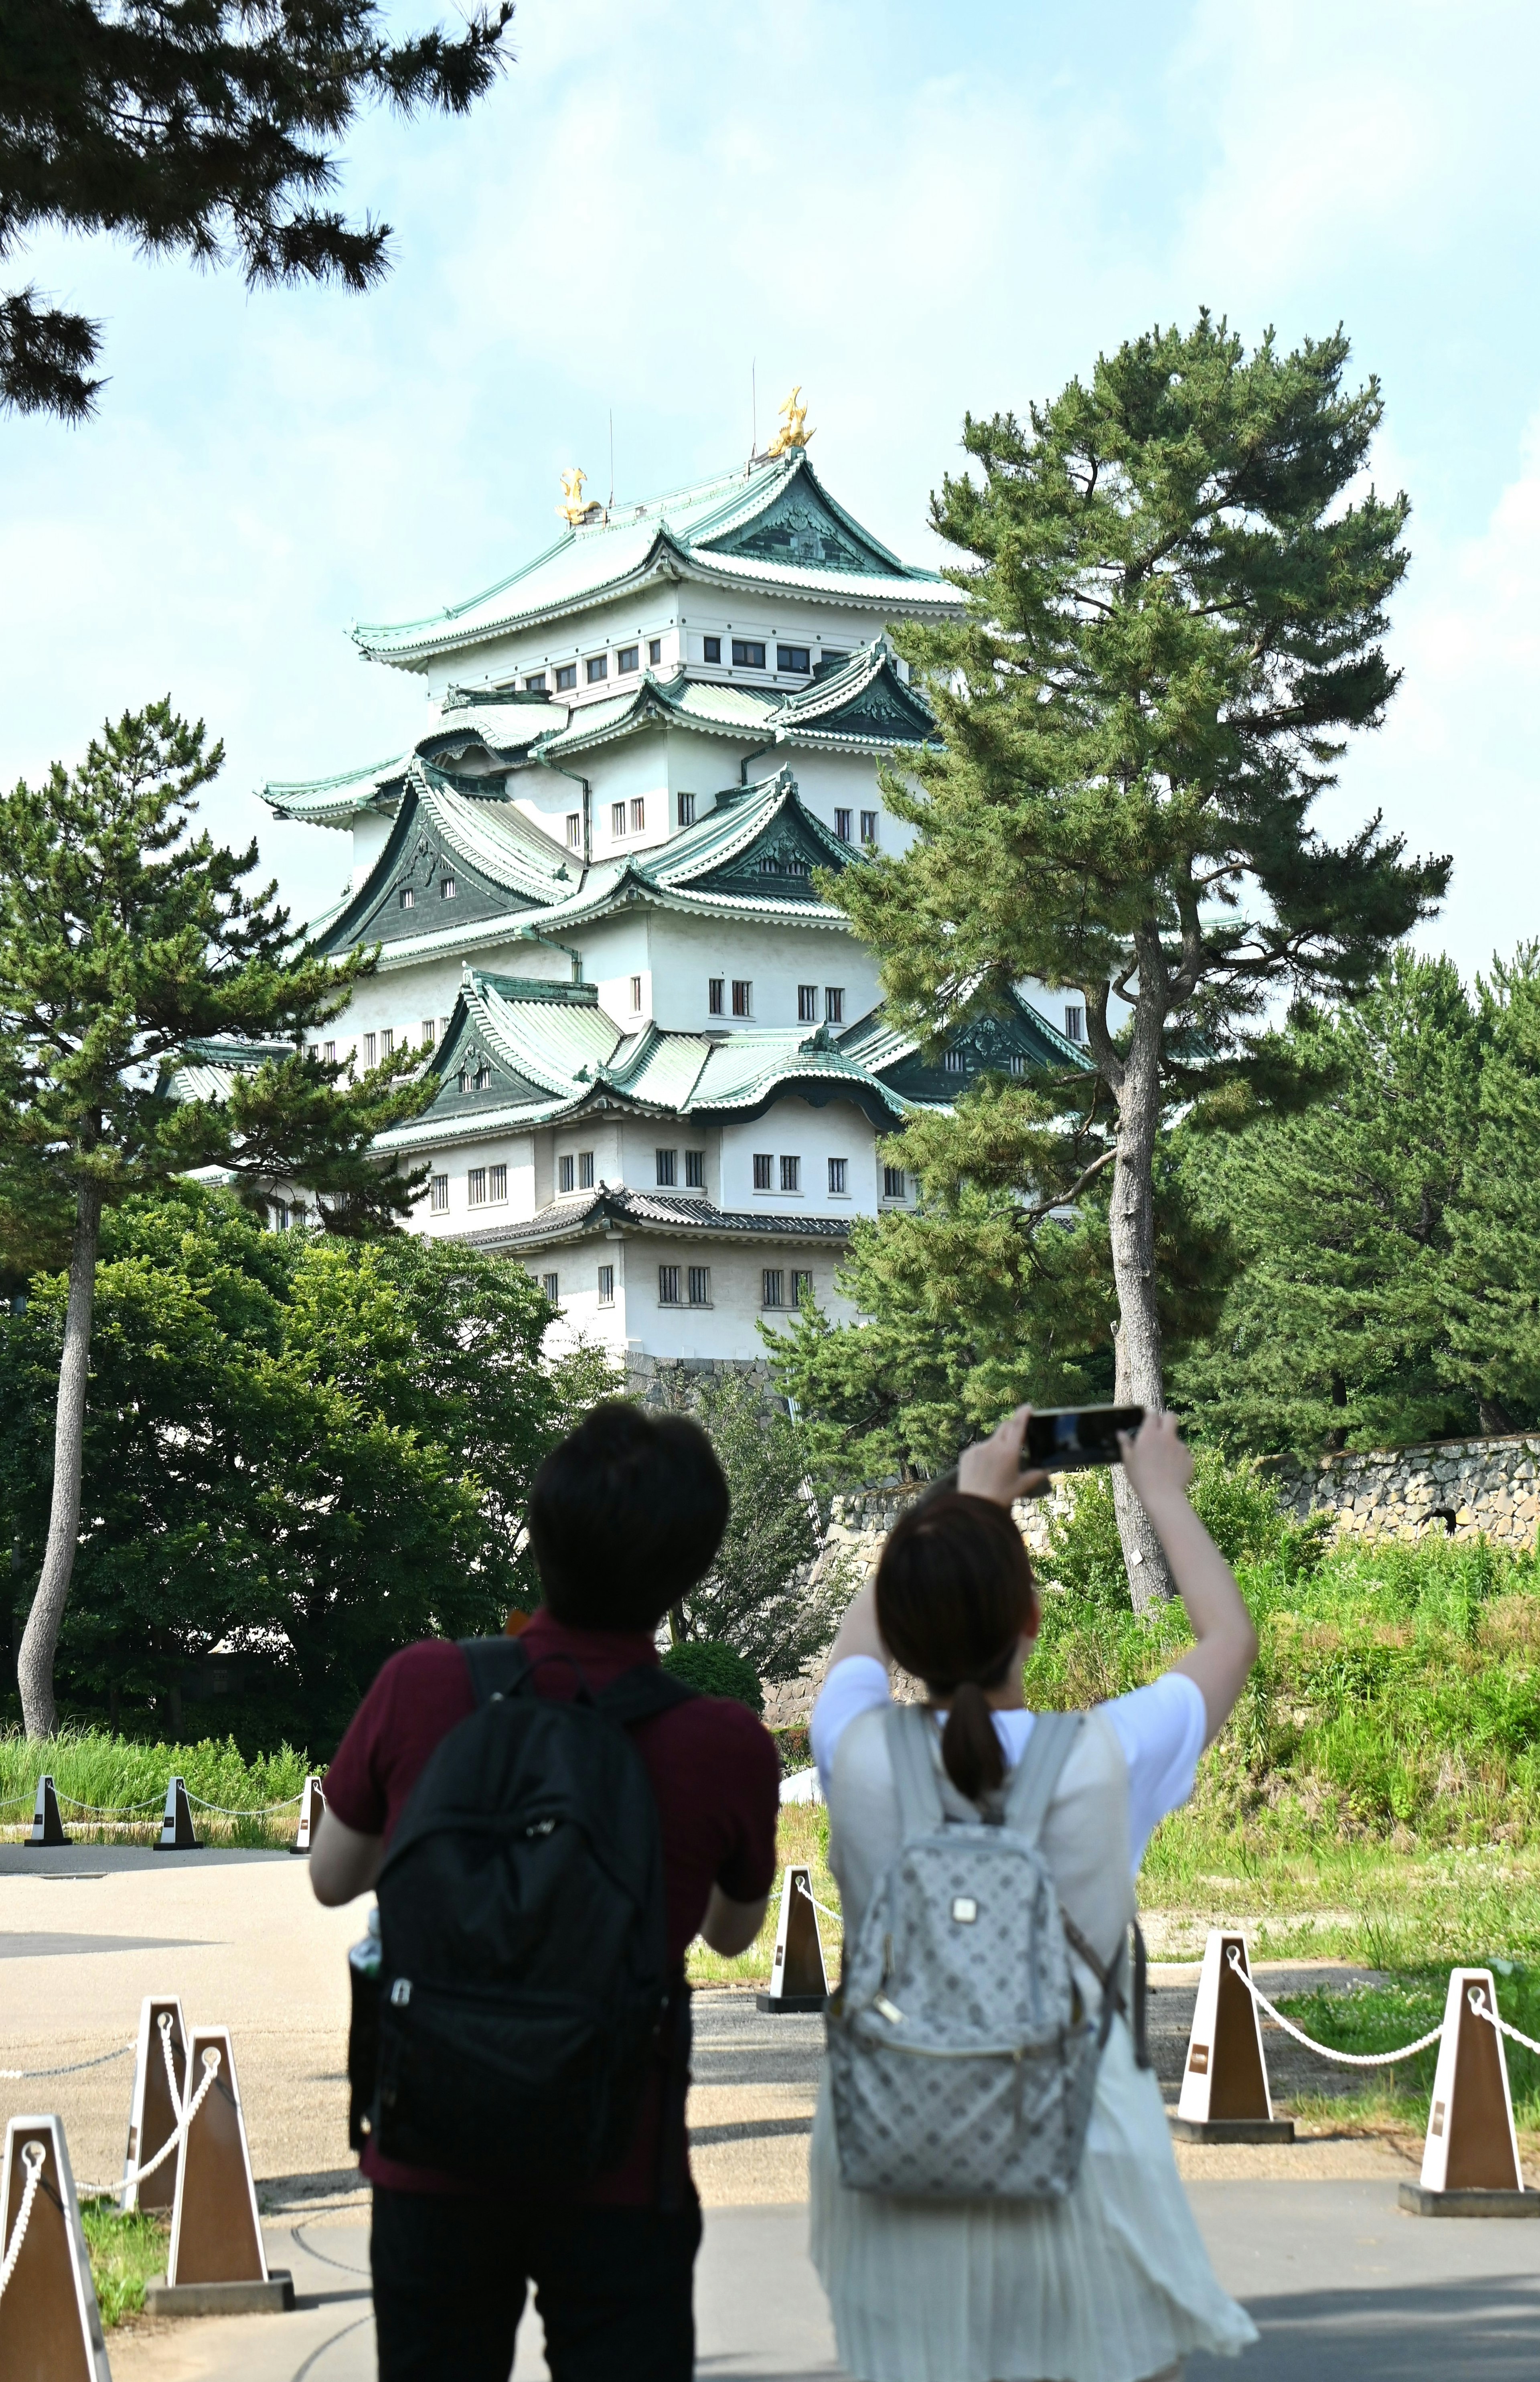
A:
525, 1994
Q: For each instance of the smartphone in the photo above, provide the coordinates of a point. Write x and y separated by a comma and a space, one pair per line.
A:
1067, 1439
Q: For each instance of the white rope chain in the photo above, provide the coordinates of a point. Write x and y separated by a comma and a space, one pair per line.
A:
803, 1888
1344, 2058
1476, 1996
26, 2075
261, 1811
178, 2132
32, 2157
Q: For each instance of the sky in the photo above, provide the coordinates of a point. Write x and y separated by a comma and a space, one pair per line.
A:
915, 212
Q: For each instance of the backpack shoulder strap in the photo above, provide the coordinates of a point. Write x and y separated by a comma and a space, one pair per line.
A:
1030, 1790
909, 1730
641, 1694
498, 1666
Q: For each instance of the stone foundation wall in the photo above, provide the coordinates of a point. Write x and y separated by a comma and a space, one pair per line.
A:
1469, 1488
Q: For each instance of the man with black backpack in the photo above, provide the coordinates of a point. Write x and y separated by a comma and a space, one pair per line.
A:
550, 1820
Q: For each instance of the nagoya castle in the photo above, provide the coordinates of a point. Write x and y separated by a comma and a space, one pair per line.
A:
664, 1071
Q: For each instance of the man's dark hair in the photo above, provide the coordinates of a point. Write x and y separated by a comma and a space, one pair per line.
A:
625, 1516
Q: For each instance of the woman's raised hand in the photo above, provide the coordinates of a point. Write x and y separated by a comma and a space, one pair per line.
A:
993, 1468
1156, 1460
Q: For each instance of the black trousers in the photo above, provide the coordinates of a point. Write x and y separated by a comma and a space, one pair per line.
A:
614, 2287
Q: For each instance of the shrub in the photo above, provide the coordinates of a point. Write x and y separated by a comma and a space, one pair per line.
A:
705, 1664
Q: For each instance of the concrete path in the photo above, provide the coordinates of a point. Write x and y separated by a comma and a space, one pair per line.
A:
1339, 2281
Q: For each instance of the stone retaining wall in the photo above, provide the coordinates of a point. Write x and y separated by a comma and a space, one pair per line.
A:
1470, 1488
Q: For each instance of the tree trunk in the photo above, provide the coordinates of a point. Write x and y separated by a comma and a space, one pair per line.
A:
1139, 1378
35, 1667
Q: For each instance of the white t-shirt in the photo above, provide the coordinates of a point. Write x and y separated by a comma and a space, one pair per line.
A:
1159, 1727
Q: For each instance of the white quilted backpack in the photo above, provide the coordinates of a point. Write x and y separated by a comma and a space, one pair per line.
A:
962, 2059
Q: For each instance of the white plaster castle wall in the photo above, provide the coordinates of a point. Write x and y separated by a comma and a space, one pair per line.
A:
794, 1128
724, 1331
686, 952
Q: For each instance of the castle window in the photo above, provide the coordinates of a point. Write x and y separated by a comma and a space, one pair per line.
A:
807, 1004
956, 1062
792, 1174
764, 1168
387, 1043
1074, 1025
695, 1169
475, 1186
869, 827
567, 677
793, 658
833, 1004
802, 1287
483, 1077
1018, 1063
654, 651
842, 825
574, 830
427, 1034
551, 1285
743, 997
712, 648
447, 889
826, 658
607, 1285
536, 686
700, 1285
668, 1285
747, 654
669, 1168
328, 1051
409, 899
626, 660
496, 1186
585, 1170
636, 992
716, 989
438, 1199
370, 1050
639, 815
838, 1167
597, 668
617, 820
687, 810
772, 1287
894, 1182
463, 1079
566, 1173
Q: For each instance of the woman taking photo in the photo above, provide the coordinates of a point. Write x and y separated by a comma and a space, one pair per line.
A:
1109, 2280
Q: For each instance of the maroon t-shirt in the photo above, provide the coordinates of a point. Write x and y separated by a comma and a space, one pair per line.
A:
714, 1772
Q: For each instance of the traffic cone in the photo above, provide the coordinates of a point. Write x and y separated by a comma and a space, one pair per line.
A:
178, 1835
218, 2264
1225, 2093
797, 1978
47, 1826
311, 1804
152, 2117
50, 2325
1471, 2153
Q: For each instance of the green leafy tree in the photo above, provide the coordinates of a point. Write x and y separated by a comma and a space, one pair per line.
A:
762, 1596
201, 129
1174, 620
124, 938
310, 1446
979, 1297
1342, 1324
1495, 1230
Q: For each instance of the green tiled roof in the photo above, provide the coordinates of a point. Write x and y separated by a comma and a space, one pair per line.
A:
771, 525
333, 802
502, 864
986, 1040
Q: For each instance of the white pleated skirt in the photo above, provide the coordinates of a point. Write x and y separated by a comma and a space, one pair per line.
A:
1111, 2284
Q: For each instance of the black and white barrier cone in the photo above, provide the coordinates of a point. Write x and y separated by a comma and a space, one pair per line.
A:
797, 1978
1225, 2093
47, 1827
217, 2264
311, 1804
1471, 2153
177, 1833
50, 2325
160, 2087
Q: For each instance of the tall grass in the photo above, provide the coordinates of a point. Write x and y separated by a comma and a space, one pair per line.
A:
108, 1773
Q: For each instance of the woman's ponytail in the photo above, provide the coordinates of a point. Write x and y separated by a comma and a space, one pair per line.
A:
970, 1747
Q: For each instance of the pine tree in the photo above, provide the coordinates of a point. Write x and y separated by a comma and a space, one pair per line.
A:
1174, 620
201, 129
1496, 1232
1341, 1327
125, 937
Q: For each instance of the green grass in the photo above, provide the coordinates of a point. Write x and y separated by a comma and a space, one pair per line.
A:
111, 1772
126, 2250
